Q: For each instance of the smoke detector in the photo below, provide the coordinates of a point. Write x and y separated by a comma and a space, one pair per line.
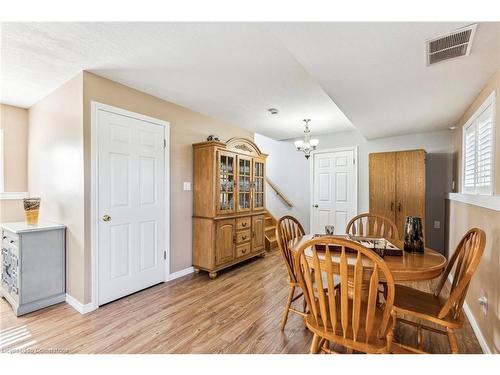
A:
451, 45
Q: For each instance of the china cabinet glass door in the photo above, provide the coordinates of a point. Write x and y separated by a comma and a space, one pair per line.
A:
226, 182
258, 185
244, 183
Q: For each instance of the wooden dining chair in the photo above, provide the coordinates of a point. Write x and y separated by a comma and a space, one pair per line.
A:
443, 311
287, 229
355, 322
372, 225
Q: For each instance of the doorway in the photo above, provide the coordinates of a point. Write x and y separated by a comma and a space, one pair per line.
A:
130, 203
334, 180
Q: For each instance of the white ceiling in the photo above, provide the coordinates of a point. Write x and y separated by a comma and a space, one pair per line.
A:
233, 72
375, 72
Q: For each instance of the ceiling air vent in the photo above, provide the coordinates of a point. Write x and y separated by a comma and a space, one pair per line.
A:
451, 45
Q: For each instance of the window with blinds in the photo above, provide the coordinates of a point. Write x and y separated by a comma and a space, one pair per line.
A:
478, 150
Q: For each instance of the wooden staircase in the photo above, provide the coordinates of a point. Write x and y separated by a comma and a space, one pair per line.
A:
270, 223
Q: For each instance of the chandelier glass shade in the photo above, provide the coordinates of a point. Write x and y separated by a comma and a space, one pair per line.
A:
308, 144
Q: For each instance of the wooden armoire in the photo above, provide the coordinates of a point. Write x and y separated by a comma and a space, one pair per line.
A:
397, 185
229, 203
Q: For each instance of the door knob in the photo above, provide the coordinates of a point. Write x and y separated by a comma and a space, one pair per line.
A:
315, 206
106, 218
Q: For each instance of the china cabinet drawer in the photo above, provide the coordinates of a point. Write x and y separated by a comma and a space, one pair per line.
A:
242, 250
243, 223
243, 236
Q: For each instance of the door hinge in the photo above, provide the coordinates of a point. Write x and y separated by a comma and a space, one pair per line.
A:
354, 161
165, 254
164, 143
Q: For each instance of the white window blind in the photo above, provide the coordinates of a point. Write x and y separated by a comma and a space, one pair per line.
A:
478, 150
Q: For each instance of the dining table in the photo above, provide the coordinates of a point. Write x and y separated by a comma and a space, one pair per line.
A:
409, 266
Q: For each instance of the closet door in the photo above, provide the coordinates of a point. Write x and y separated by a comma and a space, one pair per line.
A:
382, 167
410, 183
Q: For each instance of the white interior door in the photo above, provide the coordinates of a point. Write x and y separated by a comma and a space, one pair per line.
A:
131, 205
334, 190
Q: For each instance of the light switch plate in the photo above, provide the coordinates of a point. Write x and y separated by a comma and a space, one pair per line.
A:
437, 224
187, 186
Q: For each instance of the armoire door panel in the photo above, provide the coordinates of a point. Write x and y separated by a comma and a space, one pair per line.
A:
259, 199
224, 239
382, 167
410, 182
244, 183
226, 184
258, 229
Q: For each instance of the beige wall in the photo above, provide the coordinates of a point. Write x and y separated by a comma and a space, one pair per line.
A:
187, 127
462, 217
59, 164
14, 122
55, 171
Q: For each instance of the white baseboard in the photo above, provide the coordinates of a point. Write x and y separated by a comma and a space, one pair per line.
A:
475, 327
84, 309
81, 308
184, 272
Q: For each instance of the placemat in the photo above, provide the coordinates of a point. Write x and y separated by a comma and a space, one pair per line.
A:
368, 242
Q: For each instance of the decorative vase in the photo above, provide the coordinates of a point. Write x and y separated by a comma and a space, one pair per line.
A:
413, 237
31, 210
329, 230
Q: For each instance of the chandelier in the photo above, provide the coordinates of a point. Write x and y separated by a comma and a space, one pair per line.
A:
308, 144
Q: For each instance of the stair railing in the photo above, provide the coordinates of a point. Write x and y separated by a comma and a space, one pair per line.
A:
279, 193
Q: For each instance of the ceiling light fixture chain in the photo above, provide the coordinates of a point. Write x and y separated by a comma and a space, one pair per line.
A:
308, 144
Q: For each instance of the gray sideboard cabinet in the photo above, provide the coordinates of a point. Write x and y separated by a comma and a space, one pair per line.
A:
33, 265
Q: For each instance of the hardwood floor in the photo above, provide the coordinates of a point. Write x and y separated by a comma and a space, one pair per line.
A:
239, 312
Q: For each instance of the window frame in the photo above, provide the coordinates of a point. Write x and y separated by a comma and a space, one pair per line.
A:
480, 190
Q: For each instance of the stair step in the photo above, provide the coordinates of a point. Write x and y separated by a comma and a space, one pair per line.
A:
270, 228
271, 244
270, 233
271, 237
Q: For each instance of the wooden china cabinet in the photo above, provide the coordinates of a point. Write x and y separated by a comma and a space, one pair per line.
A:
229, 203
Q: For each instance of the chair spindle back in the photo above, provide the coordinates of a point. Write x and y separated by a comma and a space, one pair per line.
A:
371, 225
287, 229
355, 268
464, 263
